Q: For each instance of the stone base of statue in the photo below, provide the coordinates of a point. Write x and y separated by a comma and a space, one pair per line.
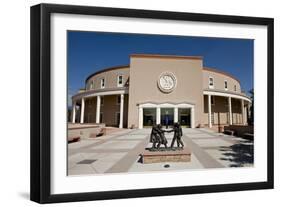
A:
165, 155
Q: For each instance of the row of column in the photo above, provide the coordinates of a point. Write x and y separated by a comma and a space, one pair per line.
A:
158, 116
229, 110
97, 110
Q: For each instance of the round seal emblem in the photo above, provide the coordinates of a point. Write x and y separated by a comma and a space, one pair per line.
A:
167, 82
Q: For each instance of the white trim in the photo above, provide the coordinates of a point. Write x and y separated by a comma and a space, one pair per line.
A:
73, 111
82, 110
158, 115
230, 110
104, 93
166, 105
98, 110
213, 86
225, 88
102, 85
140, 117
176, 114
121, 110
209, 111
192, 114
242, 112
216, 93
118, 84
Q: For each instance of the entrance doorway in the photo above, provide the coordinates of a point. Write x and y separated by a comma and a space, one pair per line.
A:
184, 117
167, 116
149, 117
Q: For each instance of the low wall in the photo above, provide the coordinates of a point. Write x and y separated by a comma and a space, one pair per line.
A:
83, 131
240, 130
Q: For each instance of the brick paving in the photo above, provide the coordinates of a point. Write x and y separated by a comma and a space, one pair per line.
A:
119, 152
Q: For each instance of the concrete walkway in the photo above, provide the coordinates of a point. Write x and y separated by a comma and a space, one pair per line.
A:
119, 152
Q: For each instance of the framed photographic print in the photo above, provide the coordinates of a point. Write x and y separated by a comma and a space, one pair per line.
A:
132, 103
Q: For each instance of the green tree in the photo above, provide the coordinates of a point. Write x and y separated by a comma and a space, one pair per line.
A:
251, 115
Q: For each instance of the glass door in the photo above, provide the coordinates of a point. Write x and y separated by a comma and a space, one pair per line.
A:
184, 117
167, 116
149, 117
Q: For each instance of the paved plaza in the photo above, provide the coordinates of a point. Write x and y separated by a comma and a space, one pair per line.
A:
120, 151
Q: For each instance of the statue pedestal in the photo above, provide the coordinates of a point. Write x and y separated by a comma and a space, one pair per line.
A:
183, 155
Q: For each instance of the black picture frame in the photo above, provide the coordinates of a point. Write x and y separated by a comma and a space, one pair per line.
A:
40, 176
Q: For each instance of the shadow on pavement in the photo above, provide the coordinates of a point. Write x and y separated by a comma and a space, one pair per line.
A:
240, 154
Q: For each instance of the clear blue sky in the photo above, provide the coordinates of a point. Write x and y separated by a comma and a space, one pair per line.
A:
92, 51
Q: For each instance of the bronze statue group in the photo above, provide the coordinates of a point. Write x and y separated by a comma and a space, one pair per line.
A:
157, 136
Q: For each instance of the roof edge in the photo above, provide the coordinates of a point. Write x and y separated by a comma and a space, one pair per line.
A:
105, 70
215, 70
162, 56
167, 56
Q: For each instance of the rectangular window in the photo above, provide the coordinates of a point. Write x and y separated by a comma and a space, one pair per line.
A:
92, 85
120, 81
225, 85
211, 82
235, 88
102, 83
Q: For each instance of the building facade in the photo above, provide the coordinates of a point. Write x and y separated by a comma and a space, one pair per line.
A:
161, 89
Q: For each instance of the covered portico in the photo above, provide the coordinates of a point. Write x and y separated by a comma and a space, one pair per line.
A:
81, 98
230, 99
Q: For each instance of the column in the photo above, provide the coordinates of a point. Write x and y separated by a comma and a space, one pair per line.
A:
248, 112
193, 117
176, 114
121, 110
242, 112
209, 111
82, 110
245, 115
98, 110
158, 115
140, 118
73, 111
230, 110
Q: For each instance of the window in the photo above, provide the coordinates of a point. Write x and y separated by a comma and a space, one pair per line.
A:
120, 81
235, 88
92, 85
101, 100
211, 82
102, 83
118, 100
225, 85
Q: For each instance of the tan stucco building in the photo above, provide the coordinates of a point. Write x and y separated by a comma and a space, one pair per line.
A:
164, 89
